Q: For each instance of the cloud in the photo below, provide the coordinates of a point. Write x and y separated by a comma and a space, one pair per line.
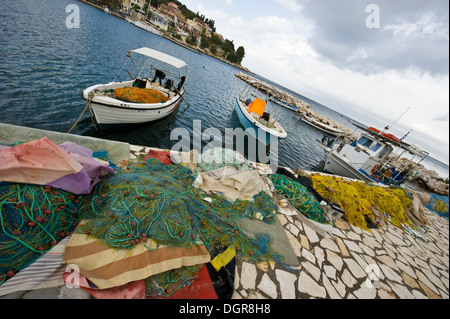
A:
291, 5
229, 2
443, 118
412, 34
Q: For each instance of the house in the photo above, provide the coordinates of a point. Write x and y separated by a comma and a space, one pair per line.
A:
203, 26
193, 28
173, 6
167, 11
129, 4
160, 21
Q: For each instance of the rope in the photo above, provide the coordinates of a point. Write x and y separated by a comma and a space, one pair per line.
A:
90, 98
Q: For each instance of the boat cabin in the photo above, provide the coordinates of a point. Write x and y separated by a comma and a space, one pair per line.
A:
366, 153
370, 157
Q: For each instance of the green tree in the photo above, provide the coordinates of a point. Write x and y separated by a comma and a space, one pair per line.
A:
240, 53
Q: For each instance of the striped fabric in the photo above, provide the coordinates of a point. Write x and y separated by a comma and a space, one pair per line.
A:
106, 267
46, 272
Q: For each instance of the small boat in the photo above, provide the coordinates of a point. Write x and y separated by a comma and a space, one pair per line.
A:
367, 158
323, 127
286, 105
146, 26
260, 124
144, 98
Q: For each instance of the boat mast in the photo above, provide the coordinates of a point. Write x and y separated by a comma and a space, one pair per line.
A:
388, 127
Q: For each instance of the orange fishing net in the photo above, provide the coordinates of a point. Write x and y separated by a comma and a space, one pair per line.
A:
359, 199
139, 95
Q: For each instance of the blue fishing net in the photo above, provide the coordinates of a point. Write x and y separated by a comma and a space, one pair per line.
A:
158, 202
33, 219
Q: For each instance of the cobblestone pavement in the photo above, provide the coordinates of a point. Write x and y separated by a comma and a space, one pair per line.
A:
385, 263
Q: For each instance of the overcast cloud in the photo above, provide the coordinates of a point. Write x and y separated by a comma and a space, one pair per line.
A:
412, 33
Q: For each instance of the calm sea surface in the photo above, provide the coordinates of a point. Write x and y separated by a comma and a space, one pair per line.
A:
44, 67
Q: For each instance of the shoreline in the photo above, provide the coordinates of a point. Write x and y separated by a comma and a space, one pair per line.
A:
169, 37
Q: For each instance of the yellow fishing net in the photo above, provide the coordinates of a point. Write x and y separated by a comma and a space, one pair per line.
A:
139, 95
359, 199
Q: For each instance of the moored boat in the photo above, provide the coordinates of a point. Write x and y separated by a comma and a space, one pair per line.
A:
154, 93
321, 126
286, 105
256, 121
368, 158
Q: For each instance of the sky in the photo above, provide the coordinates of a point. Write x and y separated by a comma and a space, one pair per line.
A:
371, 60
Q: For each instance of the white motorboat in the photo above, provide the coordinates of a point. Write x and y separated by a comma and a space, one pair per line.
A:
321, 126
154, 93
367, 158
147, 27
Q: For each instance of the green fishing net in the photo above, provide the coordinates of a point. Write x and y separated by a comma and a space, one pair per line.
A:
216, 158
33, 219
168, 282
300, 198
158, 201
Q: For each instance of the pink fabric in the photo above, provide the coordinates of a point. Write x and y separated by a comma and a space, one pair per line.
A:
36, 162
131, 290
88, 177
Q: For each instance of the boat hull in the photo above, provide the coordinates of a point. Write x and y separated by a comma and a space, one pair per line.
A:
338, 165
108, 111
111, 115
286, 105
254, 128
324, 128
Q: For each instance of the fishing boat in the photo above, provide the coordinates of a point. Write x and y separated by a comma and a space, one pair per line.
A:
155, 92
321, 126
282, 103
255, 120
368, 157
146, 26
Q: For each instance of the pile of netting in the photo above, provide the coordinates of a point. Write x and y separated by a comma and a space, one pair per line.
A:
360, 200
140, 95
164, 284
33, 219
158, 202
299, 197
436, 203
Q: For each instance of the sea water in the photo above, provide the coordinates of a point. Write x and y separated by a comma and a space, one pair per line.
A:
45, 64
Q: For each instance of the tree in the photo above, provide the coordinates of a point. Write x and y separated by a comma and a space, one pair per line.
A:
240, 53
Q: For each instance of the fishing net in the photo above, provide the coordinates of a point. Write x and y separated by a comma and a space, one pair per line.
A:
165, 284
436, 203
155, 201
140, 95
359, 200
33, 219
216, 158
299, 196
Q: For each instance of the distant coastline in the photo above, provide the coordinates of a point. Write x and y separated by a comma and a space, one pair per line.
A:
169, 37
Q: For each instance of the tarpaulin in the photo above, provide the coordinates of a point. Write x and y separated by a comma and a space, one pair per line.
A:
36, 162
83, 181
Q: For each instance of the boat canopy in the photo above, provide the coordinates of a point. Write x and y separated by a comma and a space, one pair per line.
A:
412, 149
161, 57
257, 106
